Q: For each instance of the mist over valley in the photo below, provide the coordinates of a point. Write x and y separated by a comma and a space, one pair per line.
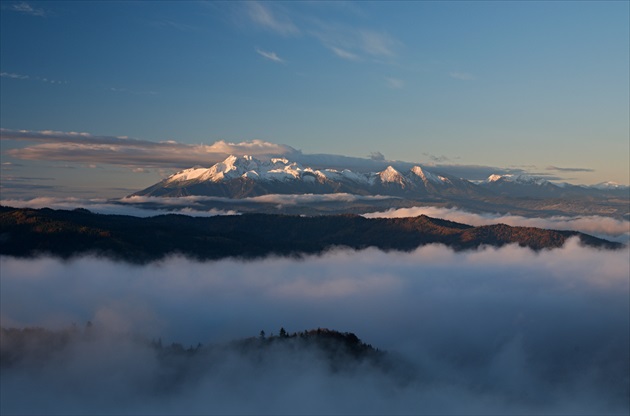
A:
504, 330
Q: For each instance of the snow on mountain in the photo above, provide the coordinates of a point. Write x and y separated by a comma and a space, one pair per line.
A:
188, 174
428, 177
246, 176
246, 167
344, 175
238, 177
391, 175
519, 179
608, 186
280, 169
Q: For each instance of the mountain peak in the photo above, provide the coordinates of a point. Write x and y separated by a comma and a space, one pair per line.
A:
427, 176
391, 175
610, 185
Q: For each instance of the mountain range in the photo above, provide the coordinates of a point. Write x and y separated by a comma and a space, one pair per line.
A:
246, 176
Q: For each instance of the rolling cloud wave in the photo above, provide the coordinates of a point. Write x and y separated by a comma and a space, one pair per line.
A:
605, 227
504, 330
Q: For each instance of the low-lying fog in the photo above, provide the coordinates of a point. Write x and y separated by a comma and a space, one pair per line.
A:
489, 331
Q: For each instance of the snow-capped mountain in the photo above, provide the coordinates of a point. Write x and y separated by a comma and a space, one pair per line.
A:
522, 179
610, 186
246, 176
234, 167
522, 185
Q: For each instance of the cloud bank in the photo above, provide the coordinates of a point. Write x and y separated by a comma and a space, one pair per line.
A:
140, 206
87, 148
604, 227
504, 331
186, 206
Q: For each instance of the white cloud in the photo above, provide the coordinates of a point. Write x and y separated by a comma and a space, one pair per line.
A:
263, 16
272, 56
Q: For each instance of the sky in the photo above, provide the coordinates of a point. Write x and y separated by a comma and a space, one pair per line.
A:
95, 96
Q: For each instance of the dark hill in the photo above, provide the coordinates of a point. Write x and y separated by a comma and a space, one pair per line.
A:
29, 232
38, 345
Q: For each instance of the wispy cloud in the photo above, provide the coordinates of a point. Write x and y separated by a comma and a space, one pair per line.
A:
349, 42
377, 43
464, 76
263, 16
13, 75
569, 169
344, 54
272, 56
24, 7
394, 83
346, 41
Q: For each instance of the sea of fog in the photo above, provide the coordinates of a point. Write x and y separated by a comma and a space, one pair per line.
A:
494, 330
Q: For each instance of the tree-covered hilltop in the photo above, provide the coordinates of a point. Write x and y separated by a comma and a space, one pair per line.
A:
30, 232
338, 351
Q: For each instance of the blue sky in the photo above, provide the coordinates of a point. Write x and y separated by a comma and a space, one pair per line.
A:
513, 85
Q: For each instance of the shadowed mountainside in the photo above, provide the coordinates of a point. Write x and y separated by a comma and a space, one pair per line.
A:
29, 232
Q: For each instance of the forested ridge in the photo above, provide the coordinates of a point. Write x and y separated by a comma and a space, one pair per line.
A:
28, 232
34, 346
